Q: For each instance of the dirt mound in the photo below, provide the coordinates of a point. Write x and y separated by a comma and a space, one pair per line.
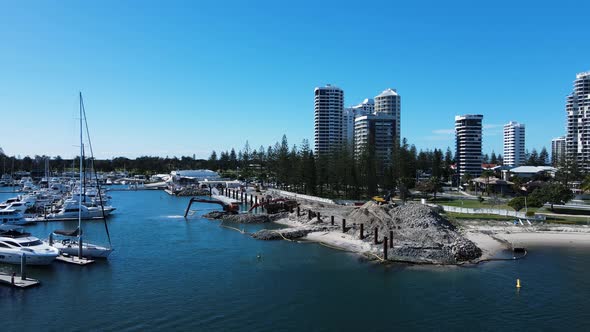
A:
420, 234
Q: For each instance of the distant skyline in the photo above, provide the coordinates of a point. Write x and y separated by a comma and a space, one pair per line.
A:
182, 78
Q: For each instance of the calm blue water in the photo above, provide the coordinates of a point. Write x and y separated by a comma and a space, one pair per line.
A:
171, 274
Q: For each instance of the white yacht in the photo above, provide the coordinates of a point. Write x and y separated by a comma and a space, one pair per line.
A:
68, 243
14, 243
13, 217
18, 206
72, 209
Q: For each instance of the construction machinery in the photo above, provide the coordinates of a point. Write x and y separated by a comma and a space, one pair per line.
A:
273, 206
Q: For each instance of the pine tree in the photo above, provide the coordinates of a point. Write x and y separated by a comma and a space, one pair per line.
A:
493, 158
543, 157
533, 159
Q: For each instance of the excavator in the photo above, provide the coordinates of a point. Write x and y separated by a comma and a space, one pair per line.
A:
382, 199
231, 208
276, 205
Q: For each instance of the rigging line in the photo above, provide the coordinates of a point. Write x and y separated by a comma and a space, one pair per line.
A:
106, 227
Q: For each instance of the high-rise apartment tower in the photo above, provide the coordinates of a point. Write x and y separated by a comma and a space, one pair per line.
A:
514, 148
468, 144
328, 108
557, 150
577, 107
389, 102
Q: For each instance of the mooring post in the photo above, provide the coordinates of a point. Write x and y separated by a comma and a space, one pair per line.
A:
362, 235
376, 235
251, 200
332, 220
12, 278
298, 211
390, 239
318, 216
23, 264
308, 214
343, 225
51, 239
385, 248
256, 199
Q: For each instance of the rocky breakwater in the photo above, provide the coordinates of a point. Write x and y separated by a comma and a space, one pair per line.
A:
285, 233
244, 218
420, 234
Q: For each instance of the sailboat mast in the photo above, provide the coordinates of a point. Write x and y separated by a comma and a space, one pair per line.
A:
81, 164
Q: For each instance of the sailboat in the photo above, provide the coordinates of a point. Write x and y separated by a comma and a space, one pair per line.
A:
72, 244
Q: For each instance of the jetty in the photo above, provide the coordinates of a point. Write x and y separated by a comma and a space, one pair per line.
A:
70, 259
19, 281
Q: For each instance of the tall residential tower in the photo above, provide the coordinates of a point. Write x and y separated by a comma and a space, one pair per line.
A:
514, 152
468, 139
328, 107
578, 121
557, 150
350, 113
389, 103
378, 133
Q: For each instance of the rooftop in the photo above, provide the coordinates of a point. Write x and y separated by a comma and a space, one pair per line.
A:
388, 92
533, 169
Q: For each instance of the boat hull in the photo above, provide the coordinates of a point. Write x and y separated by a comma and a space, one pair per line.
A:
88, 250
15, 258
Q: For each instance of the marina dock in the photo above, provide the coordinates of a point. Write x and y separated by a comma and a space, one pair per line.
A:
74, 260
16, 281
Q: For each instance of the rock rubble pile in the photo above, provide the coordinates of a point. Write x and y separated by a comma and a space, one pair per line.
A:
420, 234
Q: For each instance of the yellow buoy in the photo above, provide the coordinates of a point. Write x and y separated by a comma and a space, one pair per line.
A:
517, 283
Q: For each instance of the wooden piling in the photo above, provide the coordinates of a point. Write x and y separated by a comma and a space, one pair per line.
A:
23, 267
332, 220
251, 200
385, 248
343, 225
308, 214
376, 235
298, 211
362, 235
318, 216
390, 239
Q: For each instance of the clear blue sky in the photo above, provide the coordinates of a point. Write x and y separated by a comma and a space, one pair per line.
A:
177, 78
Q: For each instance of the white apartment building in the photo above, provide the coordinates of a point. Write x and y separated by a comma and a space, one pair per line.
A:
350, 113
514, 147
468, 130
557, 150
577, 107
328, 108
389, 102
